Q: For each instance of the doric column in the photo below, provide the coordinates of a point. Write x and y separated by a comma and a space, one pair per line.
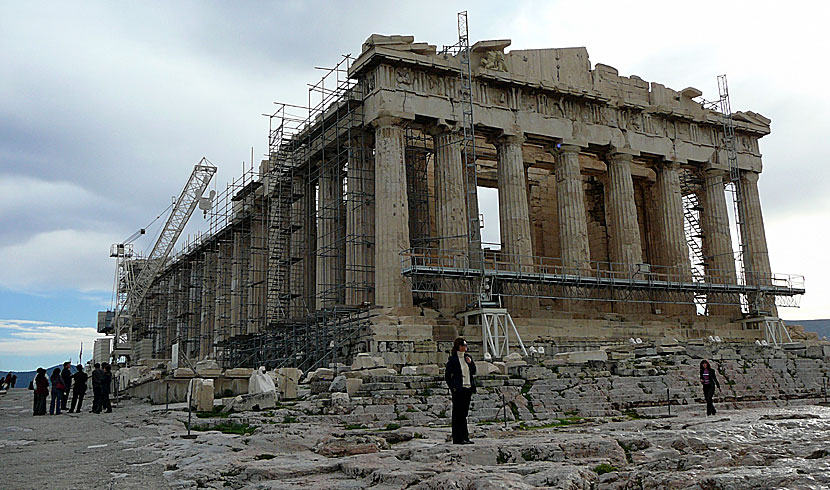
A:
208, 304
359, 222
624, 231
672, 248
625, 246
329, 239
450, 209
719, 259
392, 215
570, 199
257, 268
514, 215
755, 253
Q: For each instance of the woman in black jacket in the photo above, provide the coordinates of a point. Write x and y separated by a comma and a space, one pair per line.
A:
709, 380
460, 377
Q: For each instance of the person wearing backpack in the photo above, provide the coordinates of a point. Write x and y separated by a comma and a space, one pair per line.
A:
57, 392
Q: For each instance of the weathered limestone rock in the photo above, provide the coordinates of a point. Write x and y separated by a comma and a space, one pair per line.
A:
502, 367
582, 357
483, 368
238, 373
338, 384
183, 373
409, 370
427, 370
257, 401
340, 403
202, 396
365, 360
288, 380
353, 385
208, 368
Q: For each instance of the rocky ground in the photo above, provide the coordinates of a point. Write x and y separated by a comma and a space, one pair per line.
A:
740, 448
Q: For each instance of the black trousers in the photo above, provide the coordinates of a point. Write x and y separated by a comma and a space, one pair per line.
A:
708, 393
40, 404
77, 397
64, 400
460, 409
105, 401
96, 399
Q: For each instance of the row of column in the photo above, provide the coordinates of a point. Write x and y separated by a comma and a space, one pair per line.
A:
625, 241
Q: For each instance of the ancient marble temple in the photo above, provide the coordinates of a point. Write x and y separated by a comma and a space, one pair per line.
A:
613, 214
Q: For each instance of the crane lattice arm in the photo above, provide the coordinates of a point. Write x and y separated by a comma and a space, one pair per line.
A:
185, 205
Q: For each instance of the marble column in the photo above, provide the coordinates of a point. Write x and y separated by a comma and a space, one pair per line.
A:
719, 258
359, 222
514, 215
329, 239
672, 247
570, 199
624, 232
625, 245
257, 267
392, 215
208, 304
451, 208
755, 253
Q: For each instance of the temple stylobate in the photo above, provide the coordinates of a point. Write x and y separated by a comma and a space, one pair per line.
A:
360, 232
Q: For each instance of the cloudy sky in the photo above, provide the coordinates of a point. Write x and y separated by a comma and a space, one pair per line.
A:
106, 106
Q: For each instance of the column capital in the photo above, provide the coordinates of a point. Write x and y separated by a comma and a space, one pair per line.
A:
442, 126
516, 136
749, 176
620, 155
668, 165
385, 121
712, 169
563, 147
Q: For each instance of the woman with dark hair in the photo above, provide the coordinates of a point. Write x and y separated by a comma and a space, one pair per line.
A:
460, 377
41, 387
57, 392
709, 380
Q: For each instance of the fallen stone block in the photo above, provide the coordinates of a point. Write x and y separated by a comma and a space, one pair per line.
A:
409, 370
353, 385
257, 401
183, 373
483, 368
582, 357
238, 373
341, 404
202, 396
502, 367
338, 384
427, 370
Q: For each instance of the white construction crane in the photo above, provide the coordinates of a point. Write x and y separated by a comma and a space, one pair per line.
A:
135, 276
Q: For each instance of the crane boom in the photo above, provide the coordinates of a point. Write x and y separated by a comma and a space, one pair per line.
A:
185, 205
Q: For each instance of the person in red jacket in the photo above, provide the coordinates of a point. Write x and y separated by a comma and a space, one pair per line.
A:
41, 386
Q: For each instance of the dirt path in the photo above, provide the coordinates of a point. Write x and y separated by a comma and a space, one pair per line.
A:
74, 451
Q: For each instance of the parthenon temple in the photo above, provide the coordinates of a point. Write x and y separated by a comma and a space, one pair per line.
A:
626, 209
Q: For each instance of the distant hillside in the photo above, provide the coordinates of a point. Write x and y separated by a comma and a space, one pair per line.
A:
821, 327
24, 377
